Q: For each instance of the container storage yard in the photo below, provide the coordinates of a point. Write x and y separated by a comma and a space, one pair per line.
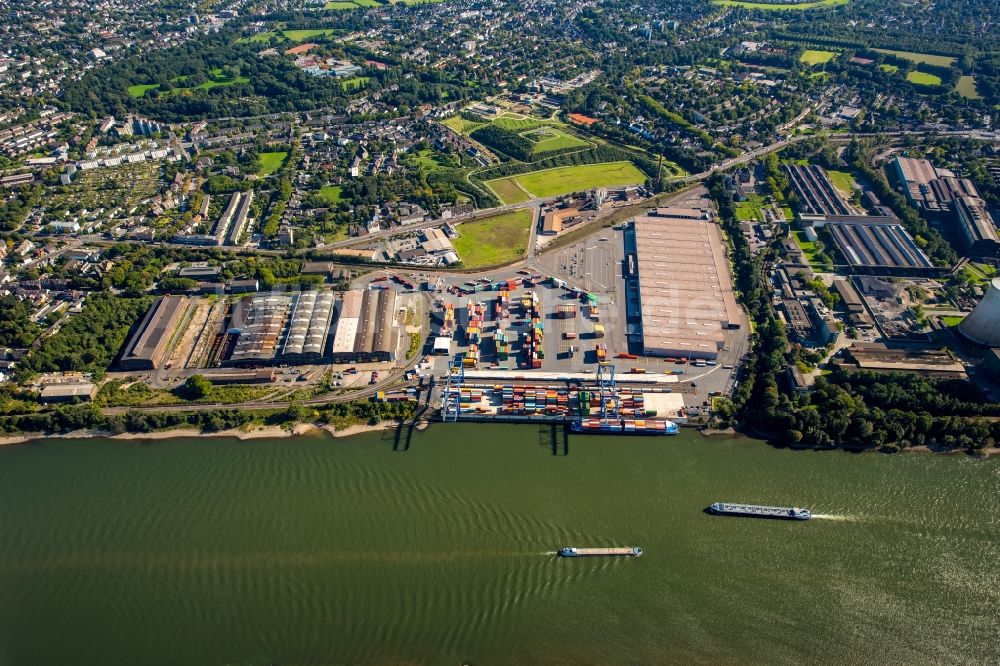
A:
564, 403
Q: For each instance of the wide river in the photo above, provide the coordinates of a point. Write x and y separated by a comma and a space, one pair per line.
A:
438, 549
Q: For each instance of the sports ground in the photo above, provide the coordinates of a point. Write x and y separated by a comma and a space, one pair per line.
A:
564, 180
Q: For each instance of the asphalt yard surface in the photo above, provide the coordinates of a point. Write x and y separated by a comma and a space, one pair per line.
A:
596, 266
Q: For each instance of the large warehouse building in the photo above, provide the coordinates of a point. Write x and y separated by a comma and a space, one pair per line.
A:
260, 325
302, 328
366, 327
148, 345
309, 326
876, 247
976, 228
948, 198
816, 193
928, 187
685, 293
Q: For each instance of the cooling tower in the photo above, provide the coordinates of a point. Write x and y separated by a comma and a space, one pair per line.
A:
983, 325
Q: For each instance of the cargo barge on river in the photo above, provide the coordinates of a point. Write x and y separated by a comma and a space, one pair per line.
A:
757, 511
624, 427
630, 551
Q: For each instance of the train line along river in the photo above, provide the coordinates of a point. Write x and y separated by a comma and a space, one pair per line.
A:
439, 549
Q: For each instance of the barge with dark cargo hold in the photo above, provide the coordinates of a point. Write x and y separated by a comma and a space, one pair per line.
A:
630, 551
757, 511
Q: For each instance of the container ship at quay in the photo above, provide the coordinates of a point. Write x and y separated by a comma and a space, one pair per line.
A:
629, 551
625, 427
757, 511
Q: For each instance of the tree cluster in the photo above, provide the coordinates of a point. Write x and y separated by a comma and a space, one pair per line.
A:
89, 341
504, 141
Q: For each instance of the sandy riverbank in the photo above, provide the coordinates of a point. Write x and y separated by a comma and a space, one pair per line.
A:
358, 429
259, 432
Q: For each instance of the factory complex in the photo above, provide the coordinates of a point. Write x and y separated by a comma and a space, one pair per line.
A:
266, 329
312, 327
951, 200
876, 244
817, 195
678, 265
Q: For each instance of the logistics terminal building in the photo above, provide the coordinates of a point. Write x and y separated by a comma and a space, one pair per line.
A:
686, 295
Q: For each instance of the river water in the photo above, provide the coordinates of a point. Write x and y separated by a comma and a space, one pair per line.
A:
438, 549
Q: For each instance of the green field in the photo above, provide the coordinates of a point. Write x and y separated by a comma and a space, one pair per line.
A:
518, 123
367, 3
886, 67
809, 248
271, 162
461, 125
429, 161
966, 87
563, 180
495, 240
923, 78
979, 273
508, 121
772, 6
340, 4
843, 181
261, 38
355, 83
303, 35
140, 89
547, 139
951, 321
812, 57
218, 79
508, 190
918, 58
332, 193
751, 209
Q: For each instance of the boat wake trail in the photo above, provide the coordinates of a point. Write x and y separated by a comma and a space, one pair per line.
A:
837, 517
